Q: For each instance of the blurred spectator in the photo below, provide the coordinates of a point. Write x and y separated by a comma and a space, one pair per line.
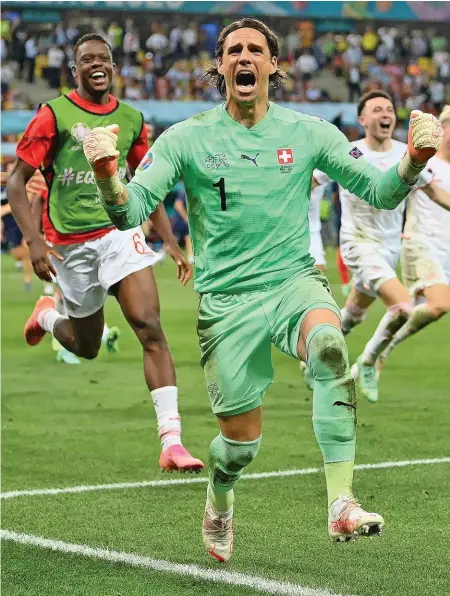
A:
354, 84
18, 51
293, 44
30, 57
437, 94
352, 56
72, 34
181, 223
133, 90
328, 45
59, 36
131, 42
418, 46
3, 50
6, 29
7, 77
176, 41
370, 41
115, 38
306, 64
190, 40
157, 42
388, 36
55, 58
313, 93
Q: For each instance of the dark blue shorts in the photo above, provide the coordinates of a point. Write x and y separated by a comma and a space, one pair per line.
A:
180, 228
13, 235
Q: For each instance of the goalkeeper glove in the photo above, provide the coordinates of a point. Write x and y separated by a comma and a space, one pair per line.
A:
424, 137
99, 147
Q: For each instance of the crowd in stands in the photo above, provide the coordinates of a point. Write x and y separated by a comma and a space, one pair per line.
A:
166, 61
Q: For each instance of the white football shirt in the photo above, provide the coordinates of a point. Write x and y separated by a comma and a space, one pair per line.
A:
362, 223
315, 225
428, 222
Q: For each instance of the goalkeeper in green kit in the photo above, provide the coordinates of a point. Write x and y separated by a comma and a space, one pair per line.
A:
247, 168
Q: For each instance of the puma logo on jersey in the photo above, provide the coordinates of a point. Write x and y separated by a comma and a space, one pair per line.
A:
253, 159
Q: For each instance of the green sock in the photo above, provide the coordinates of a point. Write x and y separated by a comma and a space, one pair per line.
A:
227, 459
334, 406
221, 501
339, 476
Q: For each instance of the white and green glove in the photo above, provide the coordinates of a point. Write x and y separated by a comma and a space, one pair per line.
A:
99, 147
424, 137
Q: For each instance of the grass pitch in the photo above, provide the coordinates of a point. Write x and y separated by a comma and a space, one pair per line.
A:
94, 424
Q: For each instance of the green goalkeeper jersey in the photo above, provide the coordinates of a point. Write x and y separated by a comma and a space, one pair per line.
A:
248, 191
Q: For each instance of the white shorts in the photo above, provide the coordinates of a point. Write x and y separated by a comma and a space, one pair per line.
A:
316, 249
423, 267
371, 265
90, 268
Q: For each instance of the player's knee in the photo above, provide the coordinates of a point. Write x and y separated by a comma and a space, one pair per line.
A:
148, 328
327, 352
88, 352
242, 453
439, 309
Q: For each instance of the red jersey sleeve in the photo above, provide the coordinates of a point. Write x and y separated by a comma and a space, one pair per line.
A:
139, 148
37, 145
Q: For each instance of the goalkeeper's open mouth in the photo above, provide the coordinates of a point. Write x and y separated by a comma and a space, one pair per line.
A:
245, 82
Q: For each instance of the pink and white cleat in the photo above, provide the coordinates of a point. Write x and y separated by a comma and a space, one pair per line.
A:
348, 521
177, 458
218, 532
32, 331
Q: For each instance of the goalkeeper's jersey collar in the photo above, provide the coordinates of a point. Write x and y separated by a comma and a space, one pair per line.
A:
257, 128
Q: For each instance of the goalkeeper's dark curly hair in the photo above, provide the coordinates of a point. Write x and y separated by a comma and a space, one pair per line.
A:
218, 80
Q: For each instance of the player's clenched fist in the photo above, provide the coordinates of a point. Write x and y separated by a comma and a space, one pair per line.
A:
99, 147
424, 136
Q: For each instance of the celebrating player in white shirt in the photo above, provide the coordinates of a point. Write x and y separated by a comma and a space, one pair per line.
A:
426, 247
371, 242
316, 249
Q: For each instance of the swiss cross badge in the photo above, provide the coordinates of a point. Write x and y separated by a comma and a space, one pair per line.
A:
285, 156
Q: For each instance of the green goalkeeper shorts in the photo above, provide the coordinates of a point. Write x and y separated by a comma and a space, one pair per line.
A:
236, 332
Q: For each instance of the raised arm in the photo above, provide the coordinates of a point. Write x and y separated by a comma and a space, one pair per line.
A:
129, 206
382, 190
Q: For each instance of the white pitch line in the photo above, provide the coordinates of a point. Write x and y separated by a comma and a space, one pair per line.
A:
13, 494
261, 584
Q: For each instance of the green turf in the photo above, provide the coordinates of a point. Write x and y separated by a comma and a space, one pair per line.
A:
93, 423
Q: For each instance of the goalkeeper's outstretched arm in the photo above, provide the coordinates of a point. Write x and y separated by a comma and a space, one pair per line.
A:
129, 205
382, 190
